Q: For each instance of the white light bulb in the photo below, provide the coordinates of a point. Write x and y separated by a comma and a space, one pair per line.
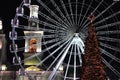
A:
1, 25
34, 11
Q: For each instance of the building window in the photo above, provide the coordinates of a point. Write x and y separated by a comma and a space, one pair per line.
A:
33, 45
0, 44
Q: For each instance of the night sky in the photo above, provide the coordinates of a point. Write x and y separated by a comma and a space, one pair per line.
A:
7, 12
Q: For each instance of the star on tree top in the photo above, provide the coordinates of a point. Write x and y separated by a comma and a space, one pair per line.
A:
91, 17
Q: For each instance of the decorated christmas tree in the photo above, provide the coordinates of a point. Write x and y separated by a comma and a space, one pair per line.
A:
93, 68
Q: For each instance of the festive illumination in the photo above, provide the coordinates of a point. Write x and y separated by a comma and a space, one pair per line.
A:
1, 26
32, 68
61, 68
34, 11
4, 67
93, 68
78, 41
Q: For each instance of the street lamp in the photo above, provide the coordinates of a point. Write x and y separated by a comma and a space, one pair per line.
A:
1, 26
4, 67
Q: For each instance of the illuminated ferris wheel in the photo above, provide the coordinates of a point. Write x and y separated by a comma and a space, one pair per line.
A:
55, 33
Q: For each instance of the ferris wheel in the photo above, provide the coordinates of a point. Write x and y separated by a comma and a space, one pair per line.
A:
55, 32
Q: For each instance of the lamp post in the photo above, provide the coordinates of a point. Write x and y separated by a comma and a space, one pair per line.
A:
4, 67
1, 25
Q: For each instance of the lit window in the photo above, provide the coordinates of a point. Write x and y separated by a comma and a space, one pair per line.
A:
33, 46
34, 11
1, 25
4, 67
0, 44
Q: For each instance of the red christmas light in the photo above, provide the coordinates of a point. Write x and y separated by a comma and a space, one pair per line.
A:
93, 68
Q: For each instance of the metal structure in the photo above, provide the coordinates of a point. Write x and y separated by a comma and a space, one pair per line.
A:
65, 24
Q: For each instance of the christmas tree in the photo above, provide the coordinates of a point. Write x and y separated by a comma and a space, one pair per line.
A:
93, 68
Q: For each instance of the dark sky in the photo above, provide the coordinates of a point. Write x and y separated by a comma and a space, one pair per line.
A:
7, 11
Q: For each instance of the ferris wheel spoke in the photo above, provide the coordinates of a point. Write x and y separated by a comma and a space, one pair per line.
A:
54, 26
108, 32
45, 23
54, 52
47, 49
75, 62
76, 12
49, 30
92, 12
49, 25
24, 37
21, 49
81, 12
110, 47
68, 64
109, 17
108, 25
84, 26
60, 61
23, 27
52, 20
71, 11
105, 10
53, 14
110, 55
58, 57
60, 12
20, 37
66, 11
79, 55
100, 3
84, 16
50, 41
42, 29
100, 14
43, 43
51, 36
108, 39
110, 67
